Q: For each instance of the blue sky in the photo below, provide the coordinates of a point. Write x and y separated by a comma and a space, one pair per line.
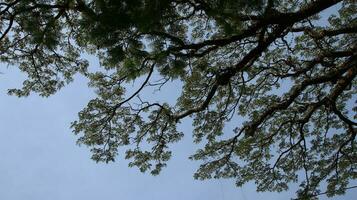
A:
39, 158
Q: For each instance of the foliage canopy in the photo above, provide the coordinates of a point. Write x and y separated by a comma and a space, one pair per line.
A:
284, 76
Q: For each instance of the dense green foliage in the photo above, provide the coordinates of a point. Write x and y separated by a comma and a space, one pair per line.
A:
285, 77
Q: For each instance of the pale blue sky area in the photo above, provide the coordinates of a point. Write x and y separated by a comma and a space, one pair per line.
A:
40, 160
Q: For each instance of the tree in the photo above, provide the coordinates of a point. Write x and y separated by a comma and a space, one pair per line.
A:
287, 74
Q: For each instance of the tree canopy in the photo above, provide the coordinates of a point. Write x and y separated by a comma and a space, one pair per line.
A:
283, 72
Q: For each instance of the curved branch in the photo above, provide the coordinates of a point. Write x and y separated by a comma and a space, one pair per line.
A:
296, 90
204, 105
141, 87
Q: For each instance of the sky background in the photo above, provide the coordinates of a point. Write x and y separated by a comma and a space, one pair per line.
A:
39, 158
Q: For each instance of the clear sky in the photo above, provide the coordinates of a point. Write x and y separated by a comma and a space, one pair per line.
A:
40, 160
